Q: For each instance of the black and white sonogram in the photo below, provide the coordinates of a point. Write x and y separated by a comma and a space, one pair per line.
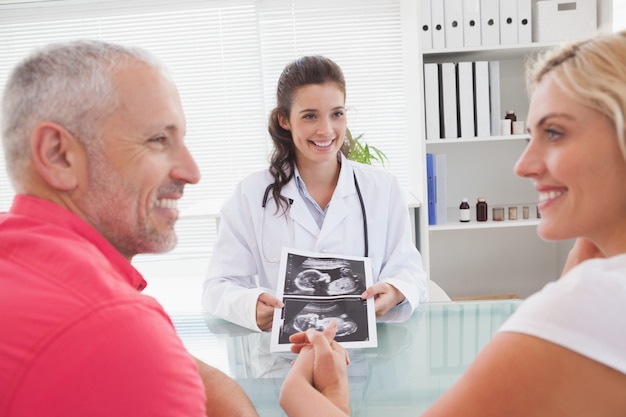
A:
350, 315
323, 277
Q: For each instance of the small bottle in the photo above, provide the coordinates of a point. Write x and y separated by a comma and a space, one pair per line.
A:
498, 214
464, 211
481, 210
510, 114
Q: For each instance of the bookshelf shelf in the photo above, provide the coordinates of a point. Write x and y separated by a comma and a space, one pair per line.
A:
498, 52
452, 141
490, 224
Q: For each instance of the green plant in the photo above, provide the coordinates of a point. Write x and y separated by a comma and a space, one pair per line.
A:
362, 152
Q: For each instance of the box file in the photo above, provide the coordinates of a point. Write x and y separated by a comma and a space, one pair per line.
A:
481, 92
524, 22
426, 29
438, 24
430, 188
432, 103
453, 17
471, 22
494, 97
449, 100
490, 22
508, 22
440, 189
466, 99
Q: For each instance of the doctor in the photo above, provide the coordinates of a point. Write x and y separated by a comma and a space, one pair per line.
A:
312, 198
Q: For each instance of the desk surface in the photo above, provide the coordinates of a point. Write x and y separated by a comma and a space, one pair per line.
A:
414, 363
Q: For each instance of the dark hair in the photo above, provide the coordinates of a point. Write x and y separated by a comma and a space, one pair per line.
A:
303, 71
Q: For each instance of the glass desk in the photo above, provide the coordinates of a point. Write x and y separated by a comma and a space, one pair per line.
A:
414, 363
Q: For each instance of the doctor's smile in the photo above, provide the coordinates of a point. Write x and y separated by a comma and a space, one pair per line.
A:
325, 145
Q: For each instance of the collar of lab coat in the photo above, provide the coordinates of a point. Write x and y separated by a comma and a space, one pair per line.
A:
338, 208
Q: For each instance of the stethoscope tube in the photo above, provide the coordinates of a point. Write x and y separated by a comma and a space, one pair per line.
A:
358, 191
365, 237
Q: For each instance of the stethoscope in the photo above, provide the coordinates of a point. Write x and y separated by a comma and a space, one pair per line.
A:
290, 221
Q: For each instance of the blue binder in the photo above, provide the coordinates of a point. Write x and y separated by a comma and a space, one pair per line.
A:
431, 189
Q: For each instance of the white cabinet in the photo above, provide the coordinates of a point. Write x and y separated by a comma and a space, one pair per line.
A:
493, 257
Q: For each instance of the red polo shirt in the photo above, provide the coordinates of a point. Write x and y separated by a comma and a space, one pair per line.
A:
77, 338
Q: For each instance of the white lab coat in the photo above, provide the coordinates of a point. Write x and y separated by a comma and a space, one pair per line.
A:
245, 261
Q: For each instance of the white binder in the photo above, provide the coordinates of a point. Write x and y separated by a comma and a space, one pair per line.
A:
490, 22
438, 24
524, 22
426, 29
494, 97
449, 100
483, 120
466, 99
508, 22
431, 101
453, 17
471, 22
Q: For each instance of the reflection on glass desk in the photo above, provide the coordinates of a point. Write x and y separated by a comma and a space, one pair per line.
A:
414, 363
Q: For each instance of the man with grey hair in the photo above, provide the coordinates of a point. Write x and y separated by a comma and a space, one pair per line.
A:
93, 140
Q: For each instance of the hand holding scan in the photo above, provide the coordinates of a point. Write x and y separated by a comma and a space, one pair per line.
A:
265, 306
386, 296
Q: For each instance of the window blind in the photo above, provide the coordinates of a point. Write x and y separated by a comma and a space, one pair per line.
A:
225, 57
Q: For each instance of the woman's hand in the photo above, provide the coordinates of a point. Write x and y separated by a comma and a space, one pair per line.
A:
386, 297
321, 364
265, 306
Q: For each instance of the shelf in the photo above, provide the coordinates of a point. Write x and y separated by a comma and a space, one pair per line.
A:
476, 139
485, 53
490, 224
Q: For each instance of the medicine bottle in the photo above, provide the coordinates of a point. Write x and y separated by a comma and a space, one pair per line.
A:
464, 211
481, 210
510, 114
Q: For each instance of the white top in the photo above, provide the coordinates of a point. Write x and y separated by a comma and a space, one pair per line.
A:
246, 256
584, 311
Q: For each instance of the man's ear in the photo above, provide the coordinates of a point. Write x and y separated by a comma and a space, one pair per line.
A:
56, 155
283, 122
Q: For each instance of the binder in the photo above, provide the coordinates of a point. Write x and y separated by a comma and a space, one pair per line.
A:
471, 22
449, 100
431, 101
453, 18
438, 24
508, 22
524, 22
441, 209
430, 188
490, 22
494, 97
426, 31
481, 92
466, 100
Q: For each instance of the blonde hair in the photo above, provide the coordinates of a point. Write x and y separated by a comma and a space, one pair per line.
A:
592, 71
